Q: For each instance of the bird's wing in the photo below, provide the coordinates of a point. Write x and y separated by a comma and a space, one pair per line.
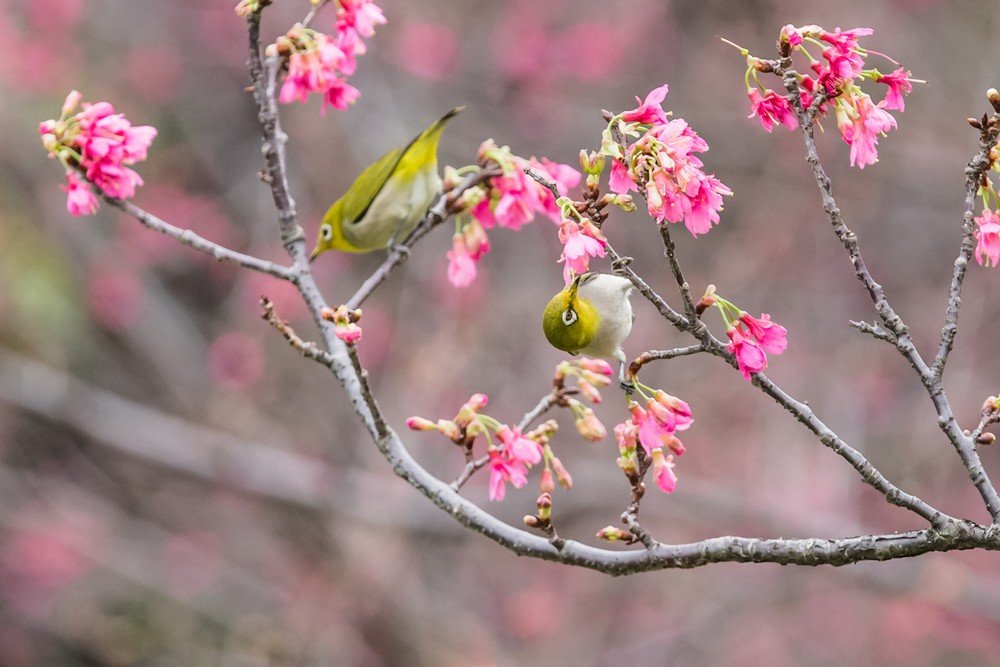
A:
369, 184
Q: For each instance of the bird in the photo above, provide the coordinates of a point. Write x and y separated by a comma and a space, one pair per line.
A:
592, 316
388, 199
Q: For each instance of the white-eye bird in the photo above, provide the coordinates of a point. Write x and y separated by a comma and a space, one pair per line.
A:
388, 199
591, 316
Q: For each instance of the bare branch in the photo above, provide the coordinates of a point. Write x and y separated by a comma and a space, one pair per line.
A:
974, 172
189, 238
875, 330
308, 349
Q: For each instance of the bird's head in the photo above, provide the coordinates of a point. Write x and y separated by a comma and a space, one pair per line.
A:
570, 321
330, 236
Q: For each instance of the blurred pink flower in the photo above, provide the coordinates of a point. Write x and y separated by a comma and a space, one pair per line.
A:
192, 562
988, 238
115, 298
80, 199
235, 360
590, 51
461, 265
154, 72
54, 18
360, 15
428, 50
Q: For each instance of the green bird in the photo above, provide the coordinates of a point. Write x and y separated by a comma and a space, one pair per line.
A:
591, 316
388, 199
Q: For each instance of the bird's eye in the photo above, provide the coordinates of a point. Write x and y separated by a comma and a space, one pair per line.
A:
569, 316
327, 232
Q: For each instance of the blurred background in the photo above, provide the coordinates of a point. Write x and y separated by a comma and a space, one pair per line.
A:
178, 487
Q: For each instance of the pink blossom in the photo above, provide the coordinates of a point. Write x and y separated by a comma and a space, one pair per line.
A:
844, 40
988, 238
621, 180
771, 108
791, 34
652, 433
649, 111
844, 65
360, 15
860, 122
663, 471
80, 199
595, 366
749, 357
339, 95
518, 448
670, 411
349, 333
564, 176
898, 82
580, 243
475, 239
588, 425
772, 338
704, 206
503, 470
461, 265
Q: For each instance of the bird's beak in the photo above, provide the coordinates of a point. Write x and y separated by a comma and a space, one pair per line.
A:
314, 254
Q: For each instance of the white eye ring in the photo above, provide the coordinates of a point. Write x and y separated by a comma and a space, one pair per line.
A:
327, 232
569, 316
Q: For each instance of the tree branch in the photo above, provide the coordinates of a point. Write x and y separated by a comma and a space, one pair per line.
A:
189, 238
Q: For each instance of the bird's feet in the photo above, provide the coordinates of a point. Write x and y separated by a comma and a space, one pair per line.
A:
397, 248
627, 386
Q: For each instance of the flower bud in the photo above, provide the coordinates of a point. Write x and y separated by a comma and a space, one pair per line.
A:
546, 484
986, 439
589, 426
421, 424
592, 163
449, 429
993, 95
595, 366
72, 101
544, 505
469, 410
562, 475
612, 534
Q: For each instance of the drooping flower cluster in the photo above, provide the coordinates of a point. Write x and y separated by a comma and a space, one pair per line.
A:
590, 375
662, 165
837, 74
510, 200
95, 145
345, 323
988, 238
654, 428
320, 63
751, 338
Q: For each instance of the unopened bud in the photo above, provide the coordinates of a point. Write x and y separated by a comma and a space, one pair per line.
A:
449, 429
589, 426
612, 534
71, 102
707, 300
986, 439
531, 521
544, 505
471, 407
994, 97
974, 123
990, 405
592, 163
546, 484
421, 424
562, 475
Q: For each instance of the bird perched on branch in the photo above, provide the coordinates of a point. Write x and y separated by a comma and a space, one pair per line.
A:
388, 199
591, 316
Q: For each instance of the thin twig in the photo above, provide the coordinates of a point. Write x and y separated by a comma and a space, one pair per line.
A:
874, 330
307, 348
193, 240
657, 355
307, 21
973, 172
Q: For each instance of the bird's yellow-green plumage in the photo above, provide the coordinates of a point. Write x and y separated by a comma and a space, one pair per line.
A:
388, 199
570, 323
591, 316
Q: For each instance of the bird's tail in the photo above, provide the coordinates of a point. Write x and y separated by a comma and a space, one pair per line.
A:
422, 151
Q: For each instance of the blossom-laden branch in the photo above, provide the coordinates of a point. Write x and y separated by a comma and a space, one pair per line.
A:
860, 122
661, 165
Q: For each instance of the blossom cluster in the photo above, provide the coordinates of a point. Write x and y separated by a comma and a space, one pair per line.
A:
751, 338
662, 165
510, 453
509, 200
320, 63
654, 428
99, 144
837, 74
